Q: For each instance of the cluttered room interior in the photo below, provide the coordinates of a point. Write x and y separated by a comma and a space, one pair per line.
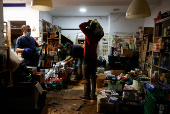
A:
85, 56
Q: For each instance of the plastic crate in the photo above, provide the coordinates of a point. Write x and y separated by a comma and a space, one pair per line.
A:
150, 103
56, 86
154, 97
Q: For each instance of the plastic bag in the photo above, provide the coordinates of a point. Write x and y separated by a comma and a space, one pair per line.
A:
15, 60
98, 30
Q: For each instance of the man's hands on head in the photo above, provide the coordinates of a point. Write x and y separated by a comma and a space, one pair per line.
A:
89, 21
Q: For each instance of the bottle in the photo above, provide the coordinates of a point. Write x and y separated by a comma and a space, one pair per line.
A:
165, 80
153, 78
56, 75
162, 78
167, 45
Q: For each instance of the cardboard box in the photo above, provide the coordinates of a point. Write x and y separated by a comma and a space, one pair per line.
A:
23, 96
106, 107
151, 47
100, 80
145, 47
127, 52
39, 76
117, 72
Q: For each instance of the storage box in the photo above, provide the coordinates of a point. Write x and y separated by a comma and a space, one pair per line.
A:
100, 80
106, 107
33, 70
117, 72
100, 70
39, 76
23, 96
127, 52
151, 47
145, 47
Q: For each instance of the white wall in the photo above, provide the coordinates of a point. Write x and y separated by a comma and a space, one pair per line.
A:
108, 23
119, 23
165, 6
15, 13
1, 23
32, 19
74, 22
46, 16
27, 14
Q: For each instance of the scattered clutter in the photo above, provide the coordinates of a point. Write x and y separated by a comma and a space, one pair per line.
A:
121, 92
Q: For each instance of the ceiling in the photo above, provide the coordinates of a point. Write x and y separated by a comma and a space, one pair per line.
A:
93, 7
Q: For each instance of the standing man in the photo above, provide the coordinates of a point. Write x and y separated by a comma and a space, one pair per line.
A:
26, 45
76, 51
90, 58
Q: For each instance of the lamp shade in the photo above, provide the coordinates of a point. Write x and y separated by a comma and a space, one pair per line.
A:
42, 5
138, 9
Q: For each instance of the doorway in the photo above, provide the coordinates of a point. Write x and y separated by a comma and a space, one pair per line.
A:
16, 31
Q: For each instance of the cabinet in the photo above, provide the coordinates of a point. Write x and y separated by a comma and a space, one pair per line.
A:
161, 52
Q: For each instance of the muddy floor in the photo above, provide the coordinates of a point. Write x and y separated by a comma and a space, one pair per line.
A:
68, 101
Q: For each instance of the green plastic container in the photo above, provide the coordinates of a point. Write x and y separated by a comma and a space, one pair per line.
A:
154, 97
56, 86
150, 103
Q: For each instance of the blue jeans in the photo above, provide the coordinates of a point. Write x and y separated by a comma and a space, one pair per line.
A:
80, 62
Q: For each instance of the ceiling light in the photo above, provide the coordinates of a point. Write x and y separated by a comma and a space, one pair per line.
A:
83, 10
42, 5
116, 9
138, 9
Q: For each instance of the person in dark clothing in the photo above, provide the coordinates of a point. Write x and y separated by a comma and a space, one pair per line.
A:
26, 45
61, 52
77, 52
90, 59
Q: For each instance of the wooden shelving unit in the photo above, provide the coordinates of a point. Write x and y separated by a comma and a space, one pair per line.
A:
164, 23
51, 37
145, 55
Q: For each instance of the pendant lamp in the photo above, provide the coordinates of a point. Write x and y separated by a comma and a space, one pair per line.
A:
138, 9
42, 5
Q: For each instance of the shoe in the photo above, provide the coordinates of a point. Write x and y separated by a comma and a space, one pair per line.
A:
94, 97
78, 78
85, 97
